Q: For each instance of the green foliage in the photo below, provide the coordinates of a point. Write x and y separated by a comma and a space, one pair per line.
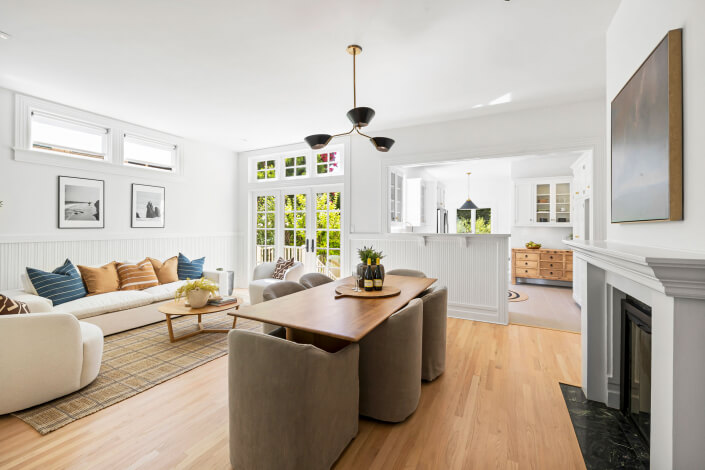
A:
369, 252
203, 284
482, 226
463, 222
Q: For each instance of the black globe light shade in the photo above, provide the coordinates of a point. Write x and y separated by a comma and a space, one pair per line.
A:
361, 117
467, 205
383, 144
318, 141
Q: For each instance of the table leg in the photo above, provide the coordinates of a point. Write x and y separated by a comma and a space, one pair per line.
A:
234, 322
171, 330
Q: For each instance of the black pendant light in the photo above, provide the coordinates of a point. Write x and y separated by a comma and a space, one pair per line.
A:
467, 205
359, 117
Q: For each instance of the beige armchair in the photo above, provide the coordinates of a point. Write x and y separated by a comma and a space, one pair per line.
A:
299, 414
262, 277
390, 366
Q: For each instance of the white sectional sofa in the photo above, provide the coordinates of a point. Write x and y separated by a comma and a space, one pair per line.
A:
115, 311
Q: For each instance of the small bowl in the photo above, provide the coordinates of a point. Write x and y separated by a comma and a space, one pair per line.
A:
533, 247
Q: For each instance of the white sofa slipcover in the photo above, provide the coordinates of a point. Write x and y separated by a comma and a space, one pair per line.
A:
44, 356
262, 277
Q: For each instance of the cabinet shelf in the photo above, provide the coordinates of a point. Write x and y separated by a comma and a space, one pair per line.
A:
542, 201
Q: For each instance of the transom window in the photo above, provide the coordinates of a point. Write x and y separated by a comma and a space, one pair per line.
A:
68, 136
294, 166
266, 170
328, 163
149, 153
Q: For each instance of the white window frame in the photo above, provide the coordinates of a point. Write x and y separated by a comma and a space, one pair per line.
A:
149, 142
70, 123
113, 161
307, 165
311, 165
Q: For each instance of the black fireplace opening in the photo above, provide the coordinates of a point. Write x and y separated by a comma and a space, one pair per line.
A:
635, 388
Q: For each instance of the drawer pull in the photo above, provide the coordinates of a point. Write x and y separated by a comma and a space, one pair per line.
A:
526, 271
551, 273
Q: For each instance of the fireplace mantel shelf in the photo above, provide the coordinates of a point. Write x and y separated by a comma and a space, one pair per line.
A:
675, 273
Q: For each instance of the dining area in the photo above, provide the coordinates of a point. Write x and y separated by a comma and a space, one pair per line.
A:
328, 356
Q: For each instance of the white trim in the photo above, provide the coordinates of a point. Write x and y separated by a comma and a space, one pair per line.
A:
114, 158
84, 235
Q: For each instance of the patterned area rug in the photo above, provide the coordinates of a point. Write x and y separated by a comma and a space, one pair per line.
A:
514, 296
135, 361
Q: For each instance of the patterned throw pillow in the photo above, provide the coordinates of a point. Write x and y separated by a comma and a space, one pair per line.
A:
12, 307
281, 268
62, 285
137, 276
166, 271
188, 269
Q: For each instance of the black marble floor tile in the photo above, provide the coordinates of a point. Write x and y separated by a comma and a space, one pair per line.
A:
607, 439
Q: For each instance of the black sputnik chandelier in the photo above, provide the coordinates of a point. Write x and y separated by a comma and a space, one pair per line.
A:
360, 117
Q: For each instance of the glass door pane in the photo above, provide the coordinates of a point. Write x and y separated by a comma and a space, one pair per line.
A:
563, 202
543, 203
265, 228
328, 231
295, 205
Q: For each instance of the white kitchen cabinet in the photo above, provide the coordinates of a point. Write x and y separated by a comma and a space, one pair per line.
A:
544, 202
416, 203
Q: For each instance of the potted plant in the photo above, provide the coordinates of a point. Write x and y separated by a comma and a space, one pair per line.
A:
197, 292
364, 253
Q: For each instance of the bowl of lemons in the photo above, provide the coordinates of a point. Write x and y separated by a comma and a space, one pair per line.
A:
532, 245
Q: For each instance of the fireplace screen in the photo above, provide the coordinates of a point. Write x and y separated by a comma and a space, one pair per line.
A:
636, 377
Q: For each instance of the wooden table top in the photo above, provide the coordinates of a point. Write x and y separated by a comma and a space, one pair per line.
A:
317, 310
178, 307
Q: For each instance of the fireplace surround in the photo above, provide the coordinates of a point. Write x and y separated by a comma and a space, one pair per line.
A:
672, 283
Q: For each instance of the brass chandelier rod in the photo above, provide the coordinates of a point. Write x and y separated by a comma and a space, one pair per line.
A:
354, 84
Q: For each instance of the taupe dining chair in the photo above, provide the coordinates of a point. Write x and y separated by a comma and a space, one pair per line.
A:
406, 272
302, 416
314, 279
435, 317
390, 366
274, 291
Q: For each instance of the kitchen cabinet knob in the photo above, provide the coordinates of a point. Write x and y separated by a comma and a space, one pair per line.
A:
551, 273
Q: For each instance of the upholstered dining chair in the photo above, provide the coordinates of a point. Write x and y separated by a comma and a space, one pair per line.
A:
390, 366
406, 272
302, 416
435, 317
314, 279
274, 291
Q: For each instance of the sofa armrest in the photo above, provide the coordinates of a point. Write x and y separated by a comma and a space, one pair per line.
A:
41, 357
35, 303
263, 271
220, 278
295, 272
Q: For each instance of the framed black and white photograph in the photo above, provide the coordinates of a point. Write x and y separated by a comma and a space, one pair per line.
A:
147, 206
81, 203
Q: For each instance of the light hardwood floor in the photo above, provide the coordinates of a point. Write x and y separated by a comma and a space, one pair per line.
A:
497, 406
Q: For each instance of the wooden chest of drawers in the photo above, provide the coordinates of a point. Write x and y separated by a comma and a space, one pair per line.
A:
556, 265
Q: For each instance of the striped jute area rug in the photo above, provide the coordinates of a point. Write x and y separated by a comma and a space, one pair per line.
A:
135, 361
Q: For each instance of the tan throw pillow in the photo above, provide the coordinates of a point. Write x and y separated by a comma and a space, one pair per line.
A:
281, 267
100, 280
137, 276
12, 307
166, 271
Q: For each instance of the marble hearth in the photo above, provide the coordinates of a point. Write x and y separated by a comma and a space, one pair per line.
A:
673, 284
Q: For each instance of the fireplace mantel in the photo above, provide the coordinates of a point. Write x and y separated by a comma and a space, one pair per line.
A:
674, 273
672, 283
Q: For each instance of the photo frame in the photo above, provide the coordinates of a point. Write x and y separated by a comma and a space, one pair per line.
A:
148, 206
81, 203
647, 139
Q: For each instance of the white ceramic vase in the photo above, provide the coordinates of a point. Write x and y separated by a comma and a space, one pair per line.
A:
198, 298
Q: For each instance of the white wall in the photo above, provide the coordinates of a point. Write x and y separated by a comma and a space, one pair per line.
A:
198, 205
494, 192
635, 31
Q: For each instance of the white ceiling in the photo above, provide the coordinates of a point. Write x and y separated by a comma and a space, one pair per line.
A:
263, 72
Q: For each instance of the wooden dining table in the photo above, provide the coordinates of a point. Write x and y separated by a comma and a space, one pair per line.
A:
317, 316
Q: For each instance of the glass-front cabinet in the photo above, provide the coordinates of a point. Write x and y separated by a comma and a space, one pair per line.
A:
543, 201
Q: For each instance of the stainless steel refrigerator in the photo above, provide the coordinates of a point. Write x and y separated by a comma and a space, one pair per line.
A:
441, 220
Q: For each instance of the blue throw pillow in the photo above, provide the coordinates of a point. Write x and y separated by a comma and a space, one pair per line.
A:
187, 269
62, 285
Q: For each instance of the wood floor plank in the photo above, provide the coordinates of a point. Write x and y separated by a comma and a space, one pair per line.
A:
497, 406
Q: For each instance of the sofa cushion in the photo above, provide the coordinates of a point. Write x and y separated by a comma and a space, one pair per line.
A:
166, 271
188, 269
137, 276
9, 306
62, 285
164, 291
282, 267
111, 302
100, 280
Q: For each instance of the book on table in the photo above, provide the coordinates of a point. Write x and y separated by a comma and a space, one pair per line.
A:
223, 301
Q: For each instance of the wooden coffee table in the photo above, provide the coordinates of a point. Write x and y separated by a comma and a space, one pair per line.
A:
178, 307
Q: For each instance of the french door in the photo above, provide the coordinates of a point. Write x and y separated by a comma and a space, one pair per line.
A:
300, 223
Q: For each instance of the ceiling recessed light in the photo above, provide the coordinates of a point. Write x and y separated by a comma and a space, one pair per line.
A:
4, 35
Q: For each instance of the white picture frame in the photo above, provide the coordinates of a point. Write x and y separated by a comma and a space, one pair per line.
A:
148, 206
81, 203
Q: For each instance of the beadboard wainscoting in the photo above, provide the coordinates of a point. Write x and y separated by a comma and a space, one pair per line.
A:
17, 253
474, 267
